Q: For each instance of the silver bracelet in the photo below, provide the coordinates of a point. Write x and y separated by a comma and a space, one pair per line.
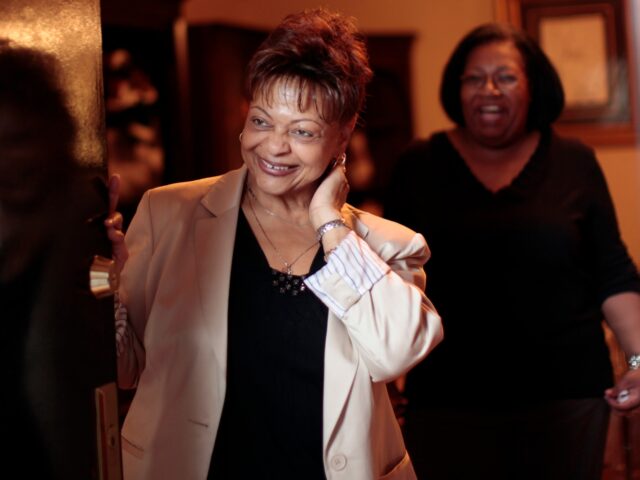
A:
325, 227
634, 362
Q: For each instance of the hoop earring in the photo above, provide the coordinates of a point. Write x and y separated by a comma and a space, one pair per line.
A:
240, 136
342, 159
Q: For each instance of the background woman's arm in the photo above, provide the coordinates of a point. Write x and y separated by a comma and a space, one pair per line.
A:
622, 312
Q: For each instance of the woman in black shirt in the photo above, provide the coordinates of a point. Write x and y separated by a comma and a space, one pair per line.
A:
527, 260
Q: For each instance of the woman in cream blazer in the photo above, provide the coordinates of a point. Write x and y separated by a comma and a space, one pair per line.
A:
235, 378
173, 349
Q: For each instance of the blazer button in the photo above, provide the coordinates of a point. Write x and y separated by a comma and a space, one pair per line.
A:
338, 462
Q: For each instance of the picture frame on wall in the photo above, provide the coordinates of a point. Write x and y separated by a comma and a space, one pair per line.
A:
589, 44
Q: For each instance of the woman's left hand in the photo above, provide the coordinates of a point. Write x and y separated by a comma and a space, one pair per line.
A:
330, 196
625, 395
622, 312
114, 223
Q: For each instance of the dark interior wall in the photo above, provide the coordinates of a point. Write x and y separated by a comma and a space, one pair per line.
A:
388, 115
218, 55
143, 107
148, 14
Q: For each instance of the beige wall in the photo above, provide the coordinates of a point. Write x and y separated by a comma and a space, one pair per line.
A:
621, 166
437, 25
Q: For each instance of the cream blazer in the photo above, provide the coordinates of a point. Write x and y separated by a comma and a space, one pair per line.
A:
175, 286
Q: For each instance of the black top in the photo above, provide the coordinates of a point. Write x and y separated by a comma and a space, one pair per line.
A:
271, 426
518, 276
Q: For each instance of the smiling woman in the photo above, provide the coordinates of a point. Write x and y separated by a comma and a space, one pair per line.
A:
287, 146
278, 311
495, 96
523, 229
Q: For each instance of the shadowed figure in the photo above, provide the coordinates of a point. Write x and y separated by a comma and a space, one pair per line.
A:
49, 350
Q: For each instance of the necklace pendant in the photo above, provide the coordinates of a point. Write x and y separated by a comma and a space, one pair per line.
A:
286, 283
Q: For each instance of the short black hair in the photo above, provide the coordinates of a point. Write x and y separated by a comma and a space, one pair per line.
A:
547, 94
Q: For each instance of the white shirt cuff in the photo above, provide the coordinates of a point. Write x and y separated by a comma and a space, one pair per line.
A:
351, 270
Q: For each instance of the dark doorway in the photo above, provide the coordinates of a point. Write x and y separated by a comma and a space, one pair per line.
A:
59, 398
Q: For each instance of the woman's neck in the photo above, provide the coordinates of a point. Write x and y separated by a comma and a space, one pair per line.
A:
492, 154
494, 166
291, 208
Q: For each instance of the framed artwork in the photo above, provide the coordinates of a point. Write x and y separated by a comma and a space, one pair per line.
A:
587, 42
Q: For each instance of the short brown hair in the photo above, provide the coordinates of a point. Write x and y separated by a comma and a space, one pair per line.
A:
323, 54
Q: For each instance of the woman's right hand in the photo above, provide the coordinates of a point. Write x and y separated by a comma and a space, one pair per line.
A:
330, 196
624, 396
114, 222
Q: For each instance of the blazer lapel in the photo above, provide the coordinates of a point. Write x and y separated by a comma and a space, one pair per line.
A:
215, 232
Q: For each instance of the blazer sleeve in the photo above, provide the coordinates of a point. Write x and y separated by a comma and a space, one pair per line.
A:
381, 302
131, 313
